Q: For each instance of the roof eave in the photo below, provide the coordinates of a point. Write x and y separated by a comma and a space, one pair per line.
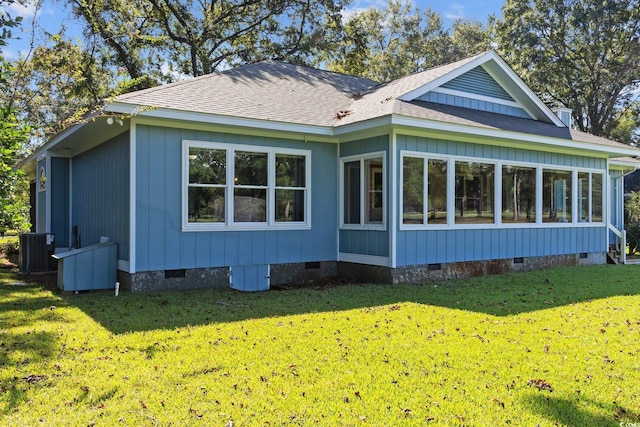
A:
58, 138
218, 119
473, 133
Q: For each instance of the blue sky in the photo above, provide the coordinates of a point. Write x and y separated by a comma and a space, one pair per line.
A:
51, 14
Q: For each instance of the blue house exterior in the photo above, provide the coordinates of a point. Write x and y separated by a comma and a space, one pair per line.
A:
273, 173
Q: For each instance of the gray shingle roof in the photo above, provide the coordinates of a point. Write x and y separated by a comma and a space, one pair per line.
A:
267, 90
287, 93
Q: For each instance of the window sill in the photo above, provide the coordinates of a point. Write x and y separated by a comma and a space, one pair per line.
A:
244, 227
440, 227
366, 227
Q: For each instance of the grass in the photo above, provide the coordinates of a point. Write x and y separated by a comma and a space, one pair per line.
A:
553, 347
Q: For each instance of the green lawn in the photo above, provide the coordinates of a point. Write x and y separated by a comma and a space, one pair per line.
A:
554, 347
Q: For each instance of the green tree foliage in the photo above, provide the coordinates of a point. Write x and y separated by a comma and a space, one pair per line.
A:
13, 134
58, 84
193, 37
387, 43
579, 54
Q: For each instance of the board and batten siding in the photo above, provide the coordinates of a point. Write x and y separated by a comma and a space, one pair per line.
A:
100, 194
473, 104
478, 82
368, 242
416, 247
60, 201
162, 245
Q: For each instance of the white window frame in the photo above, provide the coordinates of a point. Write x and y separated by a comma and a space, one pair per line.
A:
363, 191
425, 191
229, 224
538, 167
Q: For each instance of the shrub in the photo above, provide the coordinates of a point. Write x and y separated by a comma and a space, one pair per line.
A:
633, 237
9, 246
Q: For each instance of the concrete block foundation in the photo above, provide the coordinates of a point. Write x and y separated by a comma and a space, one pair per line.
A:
299, 273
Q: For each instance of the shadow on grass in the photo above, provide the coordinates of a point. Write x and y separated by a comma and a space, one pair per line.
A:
22, 307
565, 412
498, 295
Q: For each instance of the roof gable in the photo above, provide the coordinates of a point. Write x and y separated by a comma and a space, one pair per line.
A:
478, 82
486, 78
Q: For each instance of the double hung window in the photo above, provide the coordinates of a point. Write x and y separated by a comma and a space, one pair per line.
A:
239, 187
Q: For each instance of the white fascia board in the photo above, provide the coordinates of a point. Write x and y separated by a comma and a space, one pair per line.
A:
474, 132
216, 119
624, 165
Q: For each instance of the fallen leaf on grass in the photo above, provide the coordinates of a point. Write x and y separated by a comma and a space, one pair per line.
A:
32, 379
540, 384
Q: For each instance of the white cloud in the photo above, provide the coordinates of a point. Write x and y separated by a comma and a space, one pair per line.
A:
26, 9
455, 11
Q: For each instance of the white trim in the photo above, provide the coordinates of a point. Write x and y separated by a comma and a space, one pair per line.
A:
392, 177
539, 193
466, 133
477, 97
574, 197
497, 195
229, 224
498, 164
132, 194
70, 236
47, 194
362, 158
218, 119
363, 259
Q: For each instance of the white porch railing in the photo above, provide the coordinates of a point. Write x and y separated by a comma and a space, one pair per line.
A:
621, 242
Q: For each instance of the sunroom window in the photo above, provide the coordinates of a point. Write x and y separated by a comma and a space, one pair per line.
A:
413, 191
596, 197
474, 193
518, 194
556, 195
244, 186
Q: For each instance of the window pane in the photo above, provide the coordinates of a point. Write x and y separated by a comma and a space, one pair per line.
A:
596, 197
412, 190
207, 166
250, 205
437, 192
583, 196
474, 193
290, 171
556, 196
373, 169
352, 192
206, 204
289, 205
251, 168
518, 194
